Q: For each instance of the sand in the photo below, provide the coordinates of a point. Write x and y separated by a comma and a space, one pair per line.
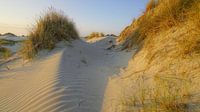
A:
70, 78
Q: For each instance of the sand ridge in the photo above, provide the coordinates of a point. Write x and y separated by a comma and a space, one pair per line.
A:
71, 79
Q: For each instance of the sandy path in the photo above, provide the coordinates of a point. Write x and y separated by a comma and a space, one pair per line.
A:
72, 79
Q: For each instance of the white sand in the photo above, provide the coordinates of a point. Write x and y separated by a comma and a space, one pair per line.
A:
69, 79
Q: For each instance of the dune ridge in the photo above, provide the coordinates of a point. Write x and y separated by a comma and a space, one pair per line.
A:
69, 79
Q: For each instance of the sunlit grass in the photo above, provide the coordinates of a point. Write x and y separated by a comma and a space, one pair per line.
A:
170, 94
50, 28
159, 17
168, 36
94, 35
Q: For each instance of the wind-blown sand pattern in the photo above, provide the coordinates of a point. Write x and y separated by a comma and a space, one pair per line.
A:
69, 79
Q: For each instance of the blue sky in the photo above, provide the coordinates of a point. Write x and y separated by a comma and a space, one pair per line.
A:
108, 16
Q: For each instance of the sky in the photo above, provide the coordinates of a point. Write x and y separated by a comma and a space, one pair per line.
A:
107, 16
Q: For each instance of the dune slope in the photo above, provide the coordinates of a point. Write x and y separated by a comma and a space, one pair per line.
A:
69, 79
163, 76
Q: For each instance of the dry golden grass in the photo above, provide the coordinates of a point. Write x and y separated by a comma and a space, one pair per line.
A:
4, 53
95, 35
171, 94
50, 28
127, 31
168, 58
167, 14
151, 5
158, 17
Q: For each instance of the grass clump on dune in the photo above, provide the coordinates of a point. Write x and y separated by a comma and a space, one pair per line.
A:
4, 53
94, 35
171, 94
50, 28
165, 15
7, 42
168, 60
160, 15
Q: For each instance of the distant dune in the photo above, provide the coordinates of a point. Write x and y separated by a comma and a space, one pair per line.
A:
8, 34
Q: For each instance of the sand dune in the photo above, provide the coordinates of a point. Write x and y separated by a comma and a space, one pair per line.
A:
69, 79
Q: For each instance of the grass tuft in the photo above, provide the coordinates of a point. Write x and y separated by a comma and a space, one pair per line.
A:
95, 35
50, 28
7, 42
170, 94
159, 16
4, 53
